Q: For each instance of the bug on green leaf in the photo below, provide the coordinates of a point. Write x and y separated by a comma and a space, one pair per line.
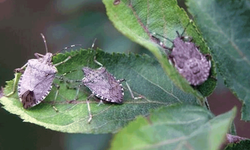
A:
103, 85
187, 59
37, 77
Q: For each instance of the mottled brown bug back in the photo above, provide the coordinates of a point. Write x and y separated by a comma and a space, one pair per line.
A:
103, 85
36, 81
188, 60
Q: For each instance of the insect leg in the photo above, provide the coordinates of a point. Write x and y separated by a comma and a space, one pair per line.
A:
171, 58
74, 87
71, 81
57, 90
17, 70
90, 115
208, 56
61, 77
87, 101
130, 91
38, 55
206, 104
14, 86
15, 79
77, 91
101, 102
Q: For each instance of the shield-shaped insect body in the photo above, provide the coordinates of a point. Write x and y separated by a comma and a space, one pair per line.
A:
188, 60
103, 84
36, 81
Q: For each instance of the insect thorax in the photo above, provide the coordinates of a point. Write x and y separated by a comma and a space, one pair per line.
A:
39, 66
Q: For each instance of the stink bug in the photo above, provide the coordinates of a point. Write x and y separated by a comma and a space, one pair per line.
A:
187, 59
36, 81
103, 85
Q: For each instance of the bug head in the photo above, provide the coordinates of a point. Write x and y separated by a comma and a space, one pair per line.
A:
47, 58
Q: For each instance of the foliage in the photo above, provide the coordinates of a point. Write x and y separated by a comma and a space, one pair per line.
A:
171, 114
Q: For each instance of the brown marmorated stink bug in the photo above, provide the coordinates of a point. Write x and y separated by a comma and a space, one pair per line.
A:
36, 81
187, 59
103, 85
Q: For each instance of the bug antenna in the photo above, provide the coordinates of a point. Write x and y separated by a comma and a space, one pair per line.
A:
66, 48
93, 44
97, 62
163, 37
45, 43
184, 29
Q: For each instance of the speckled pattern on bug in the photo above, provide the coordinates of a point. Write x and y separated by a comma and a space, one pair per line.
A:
36, 81
103, 84
188, 60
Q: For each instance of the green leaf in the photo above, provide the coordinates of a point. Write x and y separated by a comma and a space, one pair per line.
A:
143, 73
242, 145
225, 26
137, 19
175, 127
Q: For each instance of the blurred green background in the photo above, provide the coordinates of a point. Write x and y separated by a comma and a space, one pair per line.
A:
64, 23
